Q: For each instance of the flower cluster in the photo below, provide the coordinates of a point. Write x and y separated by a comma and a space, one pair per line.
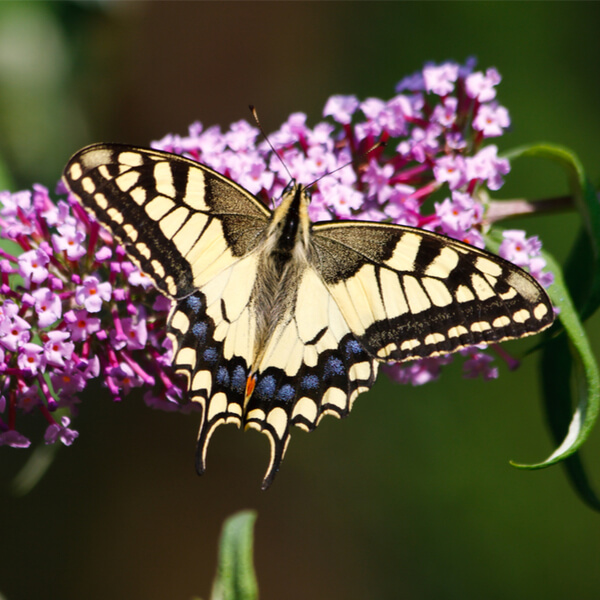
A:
73, 307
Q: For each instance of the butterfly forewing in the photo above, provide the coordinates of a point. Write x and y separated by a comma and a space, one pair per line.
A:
408, 293
180, 221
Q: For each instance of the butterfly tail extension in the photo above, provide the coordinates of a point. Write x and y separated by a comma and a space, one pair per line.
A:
304, 397
215, 384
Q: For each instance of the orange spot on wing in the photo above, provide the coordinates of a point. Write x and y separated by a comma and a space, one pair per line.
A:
250, 383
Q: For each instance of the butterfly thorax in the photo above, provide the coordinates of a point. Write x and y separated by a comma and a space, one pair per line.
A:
283, 259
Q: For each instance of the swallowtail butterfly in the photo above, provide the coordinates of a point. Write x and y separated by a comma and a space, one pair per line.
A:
277, 321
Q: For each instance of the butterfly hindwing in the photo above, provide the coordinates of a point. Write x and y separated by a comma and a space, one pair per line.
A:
312, 366
409, 293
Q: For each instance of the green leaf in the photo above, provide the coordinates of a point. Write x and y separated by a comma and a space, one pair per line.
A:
582, 269
235, 579
570, 377
34, 469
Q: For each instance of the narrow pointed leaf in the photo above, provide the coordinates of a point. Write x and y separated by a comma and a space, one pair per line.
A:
235, 578
570, 377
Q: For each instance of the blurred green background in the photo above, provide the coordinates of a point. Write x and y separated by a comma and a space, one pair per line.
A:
412, 497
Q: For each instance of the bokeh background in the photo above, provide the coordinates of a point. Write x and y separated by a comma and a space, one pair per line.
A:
412, 496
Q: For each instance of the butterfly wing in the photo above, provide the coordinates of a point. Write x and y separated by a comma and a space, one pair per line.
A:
408, 293
180, 221
195, 233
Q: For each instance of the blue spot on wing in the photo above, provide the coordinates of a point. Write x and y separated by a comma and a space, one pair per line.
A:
222, 377
310, 382
210, 355
238, 379
195, 303
353, 347
199, 330
265, 388
333, 367
286, 393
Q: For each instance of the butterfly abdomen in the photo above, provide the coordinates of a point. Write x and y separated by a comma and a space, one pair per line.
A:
282, 262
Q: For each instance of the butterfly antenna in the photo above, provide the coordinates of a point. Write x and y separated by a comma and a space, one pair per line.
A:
373, 147
262, 131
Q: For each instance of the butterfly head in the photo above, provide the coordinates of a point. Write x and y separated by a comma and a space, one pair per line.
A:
290, 225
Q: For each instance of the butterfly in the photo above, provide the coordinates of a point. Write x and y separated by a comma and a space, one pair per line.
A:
278, 321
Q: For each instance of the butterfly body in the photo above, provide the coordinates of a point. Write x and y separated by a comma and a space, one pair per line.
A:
277, 321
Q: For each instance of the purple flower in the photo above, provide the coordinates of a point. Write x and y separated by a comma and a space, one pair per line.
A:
440, 79
341, 108
491, 120
14, 333
14, 439
48, 306
70, 241
241, 136
57, 348
344, 200
479, 365
445, 113
518, 248
92, 293
451, 170
378, 179
81, 324
459, 214
482, 87
68, 381
56, 432
32, 266
486, 166
135, 333
253, 176
31, 358
28, 398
